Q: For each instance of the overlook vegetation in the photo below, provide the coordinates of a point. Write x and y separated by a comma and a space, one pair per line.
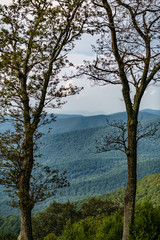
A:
91, 215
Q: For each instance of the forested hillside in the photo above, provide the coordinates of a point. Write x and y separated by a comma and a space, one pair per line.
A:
147, 188
71, 146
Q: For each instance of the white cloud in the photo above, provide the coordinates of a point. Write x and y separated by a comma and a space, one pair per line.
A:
153, 92
6, 2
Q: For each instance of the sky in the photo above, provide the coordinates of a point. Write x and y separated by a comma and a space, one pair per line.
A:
101, 99
97, 99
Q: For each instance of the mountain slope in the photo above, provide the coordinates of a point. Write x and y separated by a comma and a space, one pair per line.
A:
148, 187
90, 173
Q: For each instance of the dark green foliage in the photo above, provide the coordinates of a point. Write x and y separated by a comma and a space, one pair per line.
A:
53, 219
50, 236
146, 227
96, 207
95, 228
8, 236
85, 229
147, 222
2, 219
111, 227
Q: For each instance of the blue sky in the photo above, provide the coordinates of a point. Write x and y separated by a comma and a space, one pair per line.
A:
97, 99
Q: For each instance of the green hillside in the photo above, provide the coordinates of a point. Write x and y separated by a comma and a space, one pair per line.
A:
72, 147
10, 224
147, 187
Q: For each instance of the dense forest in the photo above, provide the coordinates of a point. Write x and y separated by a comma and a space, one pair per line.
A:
85, 219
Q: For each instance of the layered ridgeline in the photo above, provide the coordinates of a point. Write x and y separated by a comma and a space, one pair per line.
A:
71, 146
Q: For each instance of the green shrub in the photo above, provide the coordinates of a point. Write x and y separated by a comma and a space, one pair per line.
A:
8, 236
96, 207
95, 228
85, 229
111, 228
53, 219
147, 222
50, 236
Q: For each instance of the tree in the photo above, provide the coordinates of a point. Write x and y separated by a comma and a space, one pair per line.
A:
35, 38
127, 55
53, 219
95, 207
44, 182
147, 221
118, 138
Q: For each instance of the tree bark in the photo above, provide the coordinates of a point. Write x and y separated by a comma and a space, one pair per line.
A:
26, 224
25, 202
130, 193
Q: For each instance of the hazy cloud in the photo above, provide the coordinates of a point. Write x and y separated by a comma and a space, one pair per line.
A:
153, 92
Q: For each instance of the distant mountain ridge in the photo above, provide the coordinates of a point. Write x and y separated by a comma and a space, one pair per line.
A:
155, 112
66, 123
70, 146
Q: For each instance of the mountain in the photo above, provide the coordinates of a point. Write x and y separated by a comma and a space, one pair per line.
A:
71, 145
151, 111
67, 123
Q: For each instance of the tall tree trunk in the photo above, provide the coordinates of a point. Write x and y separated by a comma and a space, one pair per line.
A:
25, 202
130, 193
26, 224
